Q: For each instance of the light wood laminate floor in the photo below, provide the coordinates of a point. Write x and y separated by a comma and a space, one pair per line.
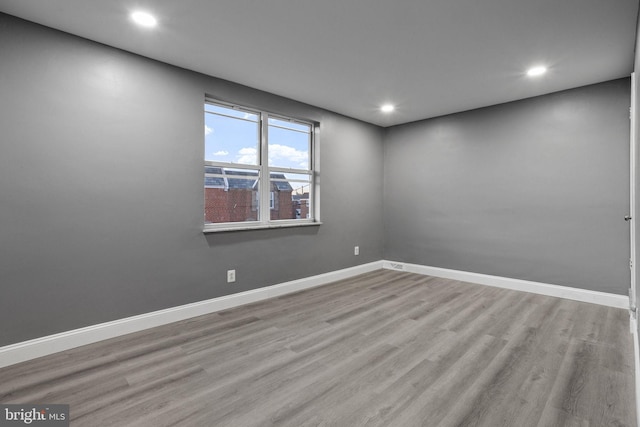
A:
386, 348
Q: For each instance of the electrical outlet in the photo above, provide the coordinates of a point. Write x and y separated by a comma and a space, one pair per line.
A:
231, 276
356, 250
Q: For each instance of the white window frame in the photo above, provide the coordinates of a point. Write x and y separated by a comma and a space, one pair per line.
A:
265, 194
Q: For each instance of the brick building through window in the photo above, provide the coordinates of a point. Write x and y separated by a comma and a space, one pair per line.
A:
232, 196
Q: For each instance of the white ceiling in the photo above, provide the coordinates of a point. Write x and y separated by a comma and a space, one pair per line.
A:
429, 57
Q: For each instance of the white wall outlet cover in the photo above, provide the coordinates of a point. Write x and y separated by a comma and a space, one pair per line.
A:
231, 276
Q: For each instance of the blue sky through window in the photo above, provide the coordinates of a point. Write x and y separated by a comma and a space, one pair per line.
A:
232, 136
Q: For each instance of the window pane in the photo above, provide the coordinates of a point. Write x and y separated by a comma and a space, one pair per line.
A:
290, 196
289, 144
230, 195
230, 135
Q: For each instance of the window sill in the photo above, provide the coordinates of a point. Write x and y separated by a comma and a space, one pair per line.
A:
243, 227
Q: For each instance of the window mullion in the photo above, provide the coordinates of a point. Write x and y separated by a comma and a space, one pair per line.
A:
265, 176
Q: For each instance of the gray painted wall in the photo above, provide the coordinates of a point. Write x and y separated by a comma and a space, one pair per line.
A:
101, 199
535, 189
101, 189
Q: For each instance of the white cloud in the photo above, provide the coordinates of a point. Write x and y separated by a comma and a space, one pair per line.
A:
248, 156
290, 154
280, 155
221, 153
207, 130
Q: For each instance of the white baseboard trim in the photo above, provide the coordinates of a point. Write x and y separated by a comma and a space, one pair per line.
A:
583, 295
636, 358
27, 350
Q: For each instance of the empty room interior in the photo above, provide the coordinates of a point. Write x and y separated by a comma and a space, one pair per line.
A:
328, 213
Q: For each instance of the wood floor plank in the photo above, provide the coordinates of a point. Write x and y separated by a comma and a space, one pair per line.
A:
386, 348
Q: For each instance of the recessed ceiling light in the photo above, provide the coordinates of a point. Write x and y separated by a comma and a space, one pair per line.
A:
536, 71
144, 19
387, 108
